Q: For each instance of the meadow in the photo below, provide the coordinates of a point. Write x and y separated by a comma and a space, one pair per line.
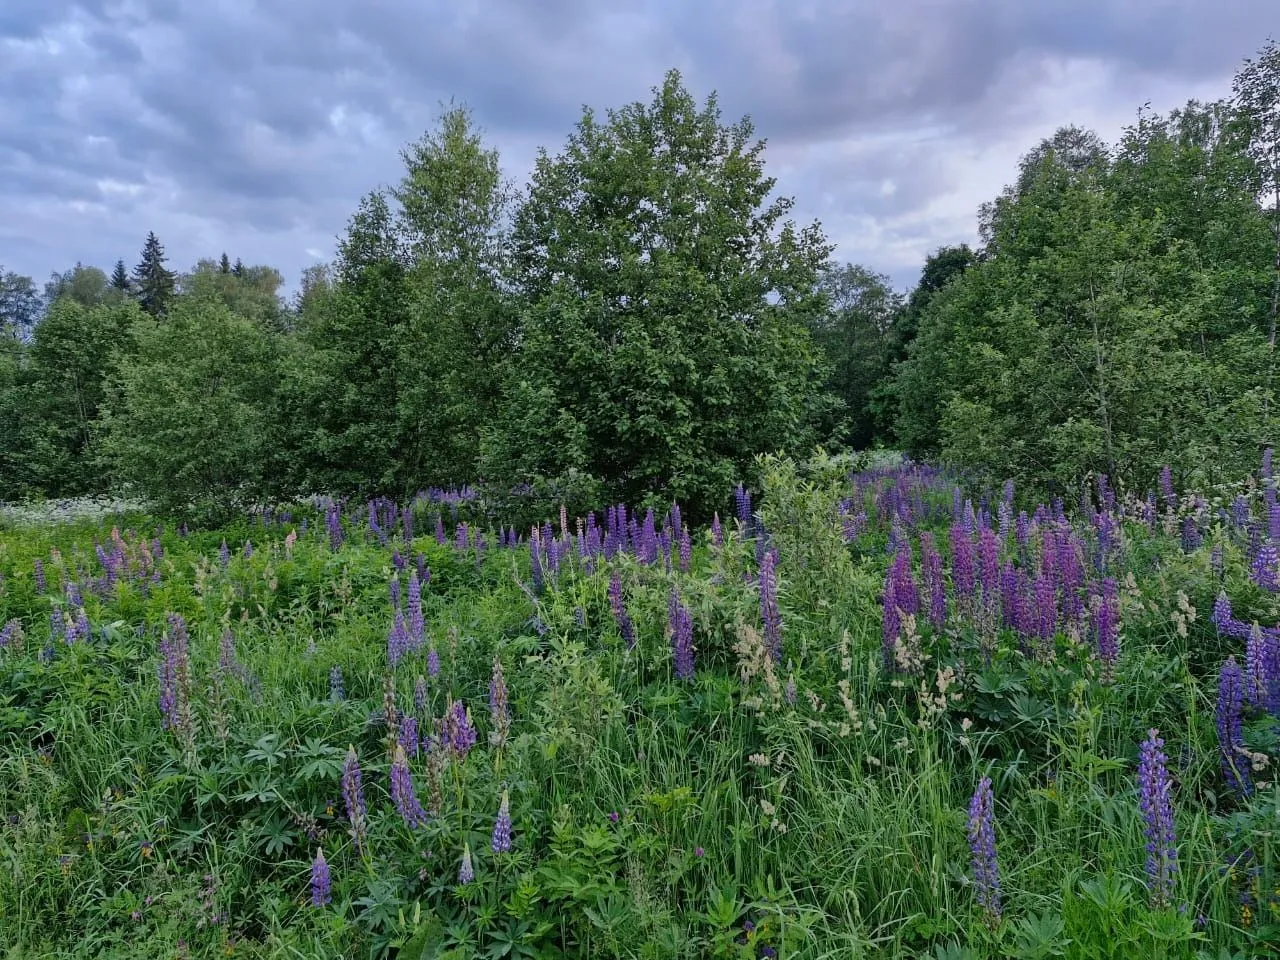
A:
864, 711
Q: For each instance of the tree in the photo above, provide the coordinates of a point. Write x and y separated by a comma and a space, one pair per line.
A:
69, 364
87, 286
252, 294
120, 279
453, 204
191, 422
19, 305
663, 342
224, 265
153, 283
238, 269
856, 333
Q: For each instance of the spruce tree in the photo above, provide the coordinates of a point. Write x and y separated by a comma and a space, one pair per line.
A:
238, 269
224, 266
154, 283
120, 277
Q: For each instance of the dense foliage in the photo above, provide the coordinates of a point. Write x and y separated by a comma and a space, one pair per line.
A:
641, 320
869, 716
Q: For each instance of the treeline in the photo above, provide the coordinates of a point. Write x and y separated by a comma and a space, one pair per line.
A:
643, 319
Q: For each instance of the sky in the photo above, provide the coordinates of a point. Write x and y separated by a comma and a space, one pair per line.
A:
255, 126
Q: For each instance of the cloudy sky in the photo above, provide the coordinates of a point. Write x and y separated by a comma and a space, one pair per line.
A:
254, 127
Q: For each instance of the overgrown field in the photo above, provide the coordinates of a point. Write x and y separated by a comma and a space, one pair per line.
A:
866, 715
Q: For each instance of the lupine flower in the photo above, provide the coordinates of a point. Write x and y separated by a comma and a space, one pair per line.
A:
1106, 626
717, 532
393, 592
962, 562
891, 626
1155, 801
620, 615
175, 678
407, 735
681, 628
1166, 485
433, 661
458, 735
353, 797
417, 626
224, 555
1230, 736
398, 640
337, 691
1263, 570
742, 498
320, 885
402, 792
333, 523
1257, 680
42, 586
466, 873
11, 634
982, 846
686, 550
501, 842
1191, 538
499, 706
420, 696
905, 590
769, 612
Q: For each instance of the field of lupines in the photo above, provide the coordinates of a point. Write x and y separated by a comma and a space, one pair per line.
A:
869, 714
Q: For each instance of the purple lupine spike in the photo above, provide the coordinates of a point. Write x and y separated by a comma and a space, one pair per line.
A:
1263, 569
989, 568
499, 706
680, 625
424, 572
433, 662
398, 640
393, 591
769, 611
337, 690
353, 798
1256, 679
717, 532
466, 872
1227, 715
1191, 538
320, 883
402, 792
413, 601
1273, 516
397, 560
1106, 626
11, 634
742, 498
408, 734
247, 552
1155, 801
333, 524
620, 615
224, 555
686, 550
1166, 486
982, 847
501, 842
905, 590
934, 582
891, 625
962, 562
420, 696
42, 584
440, 537
459, 734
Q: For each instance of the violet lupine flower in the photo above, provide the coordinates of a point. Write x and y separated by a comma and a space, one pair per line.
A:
224, 555
42, 585
248, 550
417, 625
337, 692
742, 499
353, 797
982, 846
1216, 563
1106, 625
686, 550
1191, 538
466, 872
1256, 668
398, 640
433, 661
440, 537
407, 734
175, 675
769, 612
333, 524
681, 628
620, 615
393, 592
420, 696
934, 582
459, 735
501, 842
402, 792
648, 540
988, 569
717, 532
1155, 801
397, 560
962, 562
891, 625
1166, 486
321, 888
11, 634
1230, 736
905, 590
1263, 570
499, 706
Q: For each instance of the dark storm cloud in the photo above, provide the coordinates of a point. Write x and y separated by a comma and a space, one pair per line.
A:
257, 126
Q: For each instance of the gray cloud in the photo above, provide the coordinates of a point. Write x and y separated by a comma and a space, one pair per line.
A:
255, 128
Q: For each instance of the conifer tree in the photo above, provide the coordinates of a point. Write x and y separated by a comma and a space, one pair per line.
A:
154, 283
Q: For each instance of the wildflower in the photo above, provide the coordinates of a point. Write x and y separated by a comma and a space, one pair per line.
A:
699, 852
1228, 716
620, 615
680, 625
398, 639
1106, 626
408, 735
353, 797
499, 707
1154, 789
614, 816
416, 626
1263, 569
42, 586
982, 845
466, 873
717, 532
769, 604
459, 735
337, 692
402, 792
321, 892
433, 661
501, 842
